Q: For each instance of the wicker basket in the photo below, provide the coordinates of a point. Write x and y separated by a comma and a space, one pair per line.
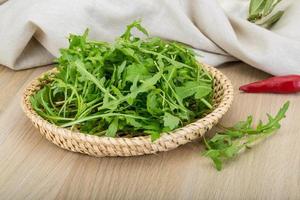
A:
106, 146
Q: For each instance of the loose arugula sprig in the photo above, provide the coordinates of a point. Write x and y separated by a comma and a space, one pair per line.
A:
131, 87
231, 141
260, 9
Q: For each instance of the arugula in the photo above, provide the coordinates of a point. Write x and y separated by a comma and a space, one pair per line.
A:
129, 88
232, 141
262, 9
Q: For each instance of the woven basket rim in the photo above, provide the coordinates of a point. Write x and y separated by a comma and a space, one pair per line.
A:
210, 119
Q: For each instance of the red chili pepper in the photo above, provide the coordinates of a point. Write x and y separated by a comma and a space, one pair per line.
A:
276, 84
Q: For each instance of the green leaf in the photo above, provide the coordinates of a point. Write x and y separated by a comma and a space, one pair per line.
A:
171, 121
244, 124
81, 69
193, 88
117, 92
257, 6
136, 70
135, 24
112, 128
272, 20
133, 122
242, 135
152, 126
154, 103
267, 6
148, 83
216, 158
231, 151
219, 137
121, 69
154, 136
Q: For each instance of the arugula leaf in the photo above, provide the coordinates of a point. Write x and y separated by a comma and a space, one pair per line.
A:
190, 88
154, 103
154, 135
230, 142
112, 128
137, 70
135, 24
171, 121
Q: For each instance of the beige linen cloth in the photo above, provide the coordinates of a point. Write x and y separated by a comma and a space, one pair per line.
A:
33, 31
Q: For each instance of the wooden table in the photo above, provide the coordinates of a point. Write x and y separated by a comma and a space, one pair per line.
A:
33, 168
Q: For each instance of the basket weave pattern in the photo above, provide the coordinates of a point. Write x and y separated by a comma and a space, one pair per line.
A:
106, 146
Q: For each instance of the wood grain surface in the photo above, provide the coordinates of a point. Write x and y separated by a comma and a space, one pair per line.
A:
33, 168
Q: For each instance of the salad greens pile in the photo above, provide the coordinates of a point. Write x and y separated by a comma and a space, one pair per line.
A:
231, 141
135, 86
